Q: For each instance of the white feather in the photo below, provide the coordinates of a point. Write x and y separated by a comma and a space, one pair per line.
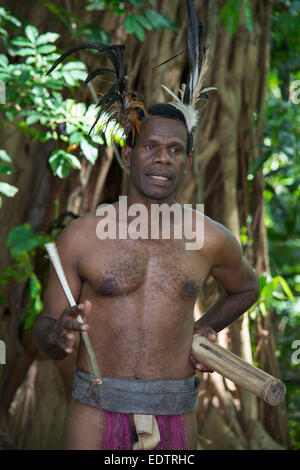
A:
189, 112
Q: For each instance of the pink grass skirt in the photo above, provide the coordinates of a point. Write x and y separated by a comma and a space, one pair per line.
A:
119, 436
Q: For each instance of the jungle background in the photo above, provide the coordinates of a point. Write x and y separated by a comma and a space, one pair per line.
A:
246, 170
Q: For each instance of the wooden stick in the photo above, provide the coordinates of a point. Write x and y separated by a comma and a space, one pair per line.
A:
243, 374
54, 256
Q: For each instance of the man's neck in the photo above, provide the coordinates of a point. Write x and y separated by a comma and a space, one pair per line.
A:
136, 198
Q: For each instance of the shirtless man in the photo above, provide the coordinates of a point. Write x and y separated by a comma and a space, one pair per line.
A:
137, 296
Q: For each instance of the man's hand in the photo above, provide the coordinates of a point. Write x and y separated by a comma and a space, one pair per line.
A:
63, 334
210, 334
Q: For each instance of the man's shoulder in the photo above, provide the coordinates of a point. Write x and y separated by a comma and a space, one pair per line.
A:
212, 227
79, 230
216, 235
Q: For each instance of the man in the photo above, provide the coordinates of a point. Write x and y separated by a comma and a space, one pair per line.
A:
137, 298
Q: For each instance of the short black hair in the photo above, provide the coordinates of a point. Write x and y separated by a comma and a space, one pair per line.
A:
171, 112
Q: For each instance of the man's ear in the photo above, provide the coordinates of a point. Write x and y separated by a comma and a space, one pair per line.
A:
188, 163
126, 153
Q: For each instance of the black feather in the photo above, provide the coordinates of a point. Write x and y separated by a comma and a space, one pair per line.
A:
118, 92
87, 45
101, 71
193, 48
171, 58
105, 108
112, 91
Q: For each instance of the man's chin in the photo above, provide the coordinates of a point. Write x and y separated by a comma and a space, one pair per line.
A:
158, 195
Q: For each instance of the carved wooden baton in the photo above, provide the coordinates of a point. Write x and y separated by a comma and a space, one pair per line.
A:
54, 256
231, 366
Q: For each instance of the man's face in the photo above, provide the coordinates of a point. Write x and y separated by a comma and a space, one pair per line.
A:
158, 160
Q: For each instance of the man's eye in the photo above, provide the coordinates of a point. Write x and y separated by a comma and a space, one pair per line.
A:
149, 147
175, 149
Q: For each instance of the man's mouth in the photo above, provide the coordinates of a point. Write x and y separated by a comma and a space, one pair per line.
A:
160, 179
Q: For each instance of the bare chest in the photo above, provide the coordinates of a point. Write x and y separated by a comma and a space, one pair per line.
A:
124, 267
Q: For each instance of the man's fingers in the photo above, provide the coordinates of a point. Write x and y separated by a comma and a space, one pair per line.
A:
85, 309
74, 325
212, 336
203, 368
74, 311
198, 366
207, 332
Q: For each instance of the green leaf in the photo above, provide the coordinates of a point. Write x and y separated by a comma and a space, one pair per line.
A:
139, 32
22, 239
259, 162
46, 49
6, 170
21, 42
132, 26
25, 52
73, 161
19, 271
262, 283
90, 151
136, 3
74, 65
4, 156
73, 71
34, 286
60, 162
31, 32
75, 137
159, 21
3, 61
248, 15
144, 22
130, 23
3, 32
32, 119
229, 15
285, 287
8, 189
94, 33
46, 38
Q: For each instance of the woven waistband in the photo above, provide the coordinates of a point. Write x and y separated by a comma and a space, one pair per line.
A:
124, 395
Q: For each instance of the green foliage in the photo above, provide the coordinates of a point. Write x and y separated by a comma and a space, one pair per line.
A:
35, 305
21, 239
280, 163
5, 188
151, 19
136, 23
37, 99
22, 243
230, 15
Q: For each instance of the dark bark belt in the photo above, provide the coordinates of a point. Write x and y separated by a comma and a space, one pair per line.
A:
123, 395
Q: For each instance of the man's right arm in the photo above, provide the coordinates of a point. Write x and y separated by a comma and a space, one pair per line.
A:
57, 326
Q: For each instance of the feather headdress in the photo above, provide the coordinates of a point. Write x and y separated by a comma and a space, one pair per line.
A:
193, 91
121, 105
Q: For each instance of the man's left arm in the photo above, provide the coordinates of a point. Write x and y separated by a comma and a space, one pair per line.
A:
239, 281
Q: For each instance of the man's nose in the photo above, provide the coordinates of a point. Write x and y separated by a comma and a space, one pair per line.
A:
162, 156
